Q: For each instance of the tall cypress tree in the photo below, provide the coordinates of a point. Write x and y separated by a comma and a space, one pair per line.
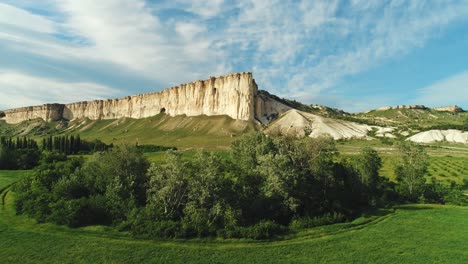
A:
78, 143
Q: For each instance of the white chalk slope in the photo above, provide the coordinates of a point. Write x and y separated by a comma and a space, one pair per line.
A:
451, 135
301, 123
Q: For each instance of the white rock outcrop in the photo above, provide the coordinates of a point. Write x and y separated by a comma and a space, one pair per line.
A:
235, 95
451, 135
450, 108
300, 123
421, 107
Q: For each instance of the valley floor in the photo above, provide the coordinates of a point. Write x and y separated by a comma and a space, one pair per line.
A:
410, 234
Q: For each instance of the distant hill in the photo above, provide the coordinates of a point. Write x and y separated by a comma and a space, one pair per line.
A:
417, 117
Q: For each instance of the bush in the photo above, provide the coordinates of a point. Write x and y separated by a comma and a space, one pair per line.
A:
456, 197
143, 225
263, 230
154, 148
310, 222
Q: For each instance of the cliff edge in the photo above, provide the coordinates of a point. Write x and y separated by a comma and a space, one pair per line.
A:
235, 95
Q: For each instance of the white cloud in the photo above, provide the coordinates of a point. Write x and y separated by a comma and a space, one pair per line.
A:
12, 16
404, 26
189, 30
126, 33
19, 89
450, 91
203, 8
296, 49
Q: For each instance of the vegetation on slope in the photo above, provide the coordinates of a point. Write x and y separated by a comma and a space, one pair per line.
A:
424, 119
162, 130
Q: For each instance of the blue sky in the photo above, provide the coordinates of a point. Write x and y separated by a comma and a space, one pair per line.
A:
354, 55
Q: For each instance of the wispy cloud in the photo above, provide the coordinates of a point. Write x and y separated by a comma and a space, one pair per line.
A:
449, 91
297, 49
21, 89
17, 17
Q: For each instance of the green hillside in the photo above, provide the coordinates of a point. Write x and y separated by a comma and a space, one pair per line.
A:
415, 118
180, 131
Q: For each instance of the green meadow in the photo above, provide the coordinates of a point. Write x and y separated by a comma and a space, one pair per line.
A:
407, 234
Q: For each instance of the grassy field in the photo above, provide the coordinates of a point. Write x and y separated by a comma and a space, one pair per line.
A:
410, 234
9, 177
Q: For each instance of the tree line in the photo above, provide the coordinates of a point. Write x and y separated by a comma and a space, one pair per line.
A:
20, 153
73, 145
24, 153
268, 186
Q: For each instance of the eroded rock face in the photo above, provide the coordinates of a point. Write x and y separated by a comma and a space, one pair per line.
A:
234, 95
421, 107
268, 109
48, 112
451, 108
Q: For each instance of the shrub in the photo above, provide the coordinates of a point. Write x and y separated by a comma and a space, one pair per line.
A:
144, 225
154, 148
310, 222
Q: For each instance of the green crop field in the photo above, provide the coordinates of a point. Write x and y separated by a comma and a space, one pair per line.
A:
447, 162
410, 234
444, 168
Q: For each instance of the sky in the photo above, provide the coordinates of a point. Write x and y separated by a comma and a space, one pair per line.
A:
353, 55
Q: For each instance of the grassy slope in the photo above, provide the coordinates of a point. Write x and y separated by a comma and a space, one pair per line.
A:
412, 234
215, 132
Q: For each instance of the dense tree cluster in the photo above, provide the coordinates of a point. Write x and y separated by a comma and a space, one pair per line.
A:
67, 191
20, 153
73, 145
267, 186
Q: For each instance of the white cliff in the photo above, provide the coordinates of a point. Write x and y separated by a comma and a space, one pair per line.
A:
234, 95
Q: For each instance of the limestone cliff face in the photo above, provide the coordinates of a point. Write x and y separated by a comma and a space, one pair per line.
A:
421, 107
451, 108
267, 108
48, 112
230, 95
234, 95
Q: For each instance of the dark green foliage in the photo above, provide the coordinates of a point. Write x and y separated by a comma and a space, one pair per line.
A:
410, 169
154, 148
435, 192
19, 154
73, 145
255, 194
35, 196
310, 222
465, 124
266, 229
265, 188
103, 190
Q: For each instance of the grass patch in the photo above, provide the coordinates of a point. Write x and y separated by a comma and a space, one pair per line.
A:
9, 177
